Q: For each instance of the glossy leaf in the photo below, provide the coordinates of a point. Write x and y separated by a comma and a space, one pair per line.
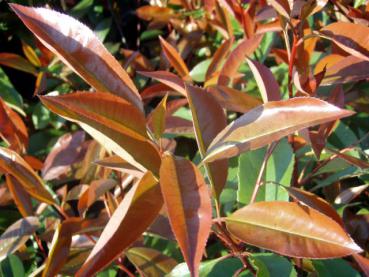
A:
174, 59
94, 192
21, 198
72, 41
349, 194
186, 197
234, 100
270, 122
17, 62
158, 117
315, 202
208, 120
268, 86
363, 263
336, 268
236, 58
150, 262
167, 78
297, 231
13, 164
16, 235
156, 13
113, 122
349, 37
139, 208
218, 58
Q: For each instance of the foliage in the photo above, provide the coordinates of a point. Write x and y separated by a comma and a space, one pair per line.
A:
185, 138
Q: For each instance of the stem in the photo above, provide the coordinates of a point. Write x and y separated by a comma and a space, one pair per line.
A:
123, 268
290, 65
258, 182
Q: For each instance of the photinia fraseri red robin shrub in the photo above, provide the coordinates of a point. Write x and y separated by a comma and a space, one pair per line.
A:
233, 144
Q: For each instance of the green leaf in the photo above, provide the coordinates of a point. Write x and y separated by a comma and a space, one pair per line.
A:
273, 265
213, 268
10, 95
12, 267
334, 268
103, 29
199, 71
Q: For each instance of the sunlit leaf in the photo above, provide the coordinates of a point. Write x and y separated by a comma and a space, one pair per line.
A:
16, 235
236, 58
17, 62
349, 37
158, 118
13, 164
186, 197
155, 13
21, 198
218, 58
167, 78
78, 47
139, 208
270, 122
294, 230
348, 194
174, 59
113, 122
208, 120
151, 262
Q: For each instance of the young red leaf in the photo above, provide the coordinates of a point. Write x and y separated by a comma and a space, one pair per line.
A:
134, 215
268, 86
218, 57
187, 200
175, 59
271, 122
350, 37
150, 262
12, 164
167, 78
17, 62
113, 122
96, 189
315, 202
157, 118
79, 48
234, 100
16, 235
155, 13
292, 230
363, 263
208, 120
236, 58
21, 198
348, 194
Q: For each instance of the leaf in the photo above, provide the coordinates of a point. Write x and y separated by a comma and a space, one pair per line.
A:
234, 100
334, 268
187, 200
174, 59
167, 78
315, 202
17, 62
150, 262
62, 240
158, 118
282, 7
9, 94
346, 69
112, 121
13, 164
270, 122
198, 71
155, 13
235, 59
363, 263
20, 196
297, 231
16, 235
274, 265
208, 120
349, 37
214, 268
268, 86
117, 163
66, 152
12, 266
79, 48
220, 54
96, 189
347, 195
139, 208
